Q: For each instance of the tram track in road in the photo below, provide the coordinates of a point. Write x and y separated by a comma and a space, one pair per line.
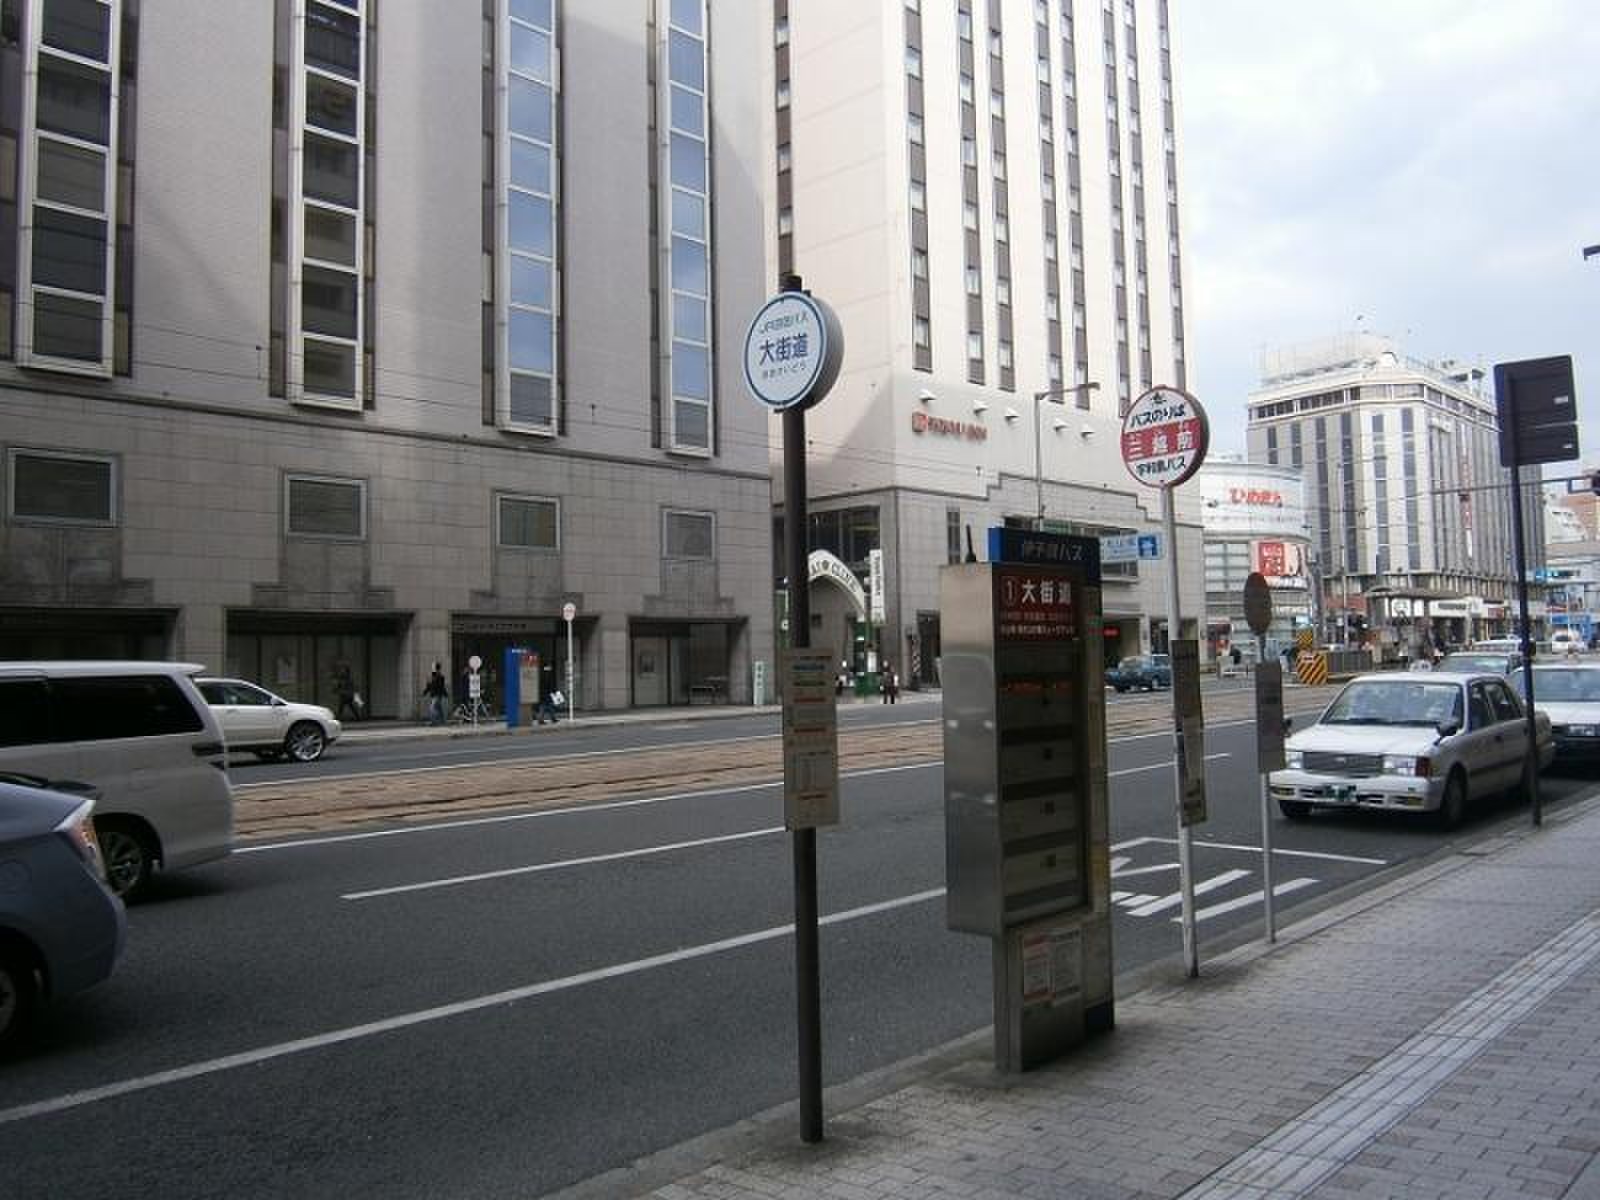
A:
426, 794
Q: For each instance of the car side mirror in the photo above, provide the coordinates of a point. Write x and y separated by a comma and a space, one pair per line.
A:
279, 703
1446, 728
1288, 725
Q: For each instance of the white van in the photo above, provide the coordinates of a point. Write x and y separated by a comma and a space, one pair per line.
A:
142, 736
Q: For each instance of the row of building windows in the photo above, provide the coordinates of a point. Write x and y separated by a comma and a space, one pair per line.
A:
60, 488
71, 63
70, 313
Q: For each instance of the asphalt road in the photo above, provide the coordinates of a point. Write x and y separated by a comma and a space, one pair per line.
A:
502, 1004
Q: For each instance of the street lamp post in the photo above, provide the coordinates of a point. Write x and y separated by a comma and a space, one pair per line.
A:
1056, 395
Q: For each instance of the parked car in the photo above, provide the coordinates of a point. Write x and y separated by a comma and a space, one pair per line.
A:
1141, 672
141, 734
1566, 641
1569, 694
1420, 743
1497, 662
61, 929
266, 725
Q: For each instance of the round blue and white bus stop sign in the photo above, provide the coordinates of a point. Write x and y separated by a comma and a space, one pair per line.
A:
792, 351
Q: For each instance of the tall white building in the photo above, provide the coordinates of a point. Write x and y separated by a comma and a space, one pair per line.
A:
373, 333
1410, 510
987, 193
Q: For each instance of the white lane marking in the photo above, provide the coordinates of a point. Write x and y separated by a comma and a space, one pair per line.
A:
541, 814
1278, 889
1176, 898
561, 865
1130, 899
71, 1100
1116, 874
1373, 862
1132, 842
1160, 766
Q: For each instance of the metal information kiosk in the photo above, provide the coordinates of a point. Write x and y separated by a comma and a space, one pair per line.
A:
1026, 823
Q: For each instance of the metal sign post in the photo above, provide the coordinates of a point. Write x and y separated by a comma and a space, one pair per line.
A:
569, 611
1535, 403
1269, 728
792, 353
1164, 440
474, 686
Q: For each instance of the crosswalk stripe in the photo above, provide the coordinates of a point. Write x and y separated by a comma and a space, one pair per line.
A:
1278, 889
1176, 898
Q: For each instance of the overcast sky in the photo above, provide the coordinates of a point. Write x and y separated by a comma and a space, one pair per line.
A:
1431, 167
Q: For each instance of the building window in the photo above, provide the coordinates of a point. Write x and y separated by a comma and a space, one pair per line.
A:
689, 535
686, 319
327, 204
527, 386
952, 535
921, 333
70, 489
320, 507
67, 250
528, 523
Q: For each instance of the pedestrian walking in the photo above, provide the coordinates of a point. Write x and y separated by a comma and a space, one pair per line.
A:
890, 684
344, 690
438, 695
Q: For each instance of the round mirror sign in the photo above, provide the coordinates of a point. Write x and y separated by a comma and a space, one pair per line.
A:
474, 662
1164, 437
792, 351
569, 610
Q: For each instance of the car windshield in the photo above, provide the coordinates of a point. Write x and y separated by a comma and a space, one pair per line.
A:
1133, 663
1558, 685
1473, 662
1398, 702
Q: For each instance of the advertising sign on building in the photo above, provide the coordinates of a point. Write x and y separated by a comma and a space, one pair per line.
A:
1282, 564
875, 585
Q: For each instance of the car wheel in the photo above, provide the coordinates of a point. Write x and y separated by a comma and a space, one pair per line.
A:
1453, 805
1120, 688
129, 855
19, 994
305, 741
1295, 810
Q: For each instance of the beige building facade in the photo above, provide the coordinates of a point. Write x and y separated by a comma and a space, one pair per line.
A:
987, 191
367, 334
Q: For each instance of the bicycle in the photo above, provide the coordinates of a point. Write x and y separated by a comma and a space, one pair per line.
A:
471, 712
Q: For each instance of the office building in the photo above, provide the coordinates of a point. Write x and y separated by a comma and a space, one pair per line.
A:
367, 333
1255, 522
1410, 510
987, 192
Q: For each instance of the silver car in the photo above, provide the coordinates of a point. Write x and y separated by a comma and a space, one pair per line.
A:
1569, 694
267, 725
61, 929
1426, 742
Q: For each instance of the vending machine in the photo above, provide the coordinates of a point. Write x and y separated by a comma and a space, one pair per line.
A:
1027, 849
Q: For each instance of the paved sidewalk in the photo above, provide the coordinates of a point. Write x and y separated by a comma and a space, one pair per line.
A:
1438, 1036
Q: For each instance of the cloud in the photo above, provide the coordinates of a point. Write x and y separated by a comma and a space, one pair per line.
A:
1428, 165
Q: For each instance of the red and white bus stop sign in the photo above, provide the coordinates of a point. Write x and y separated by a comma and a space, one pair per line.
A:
1164, 437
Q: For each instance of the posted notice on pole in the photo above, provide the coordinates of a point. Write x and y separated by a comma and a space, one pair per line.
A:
1269, 717
810, 740
1191, 730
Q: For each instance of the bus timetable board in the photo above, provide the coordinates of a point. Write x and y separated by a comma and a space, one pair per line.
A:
1026, 824
1016, 691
